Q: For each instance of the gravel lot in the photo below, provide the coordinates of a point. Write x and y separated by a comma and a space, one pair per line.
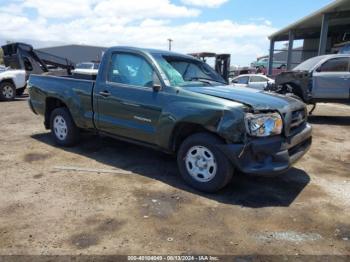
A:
143, 207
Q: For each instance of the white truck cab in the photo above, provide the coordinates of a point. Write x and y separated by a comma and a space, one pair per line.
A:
12, 83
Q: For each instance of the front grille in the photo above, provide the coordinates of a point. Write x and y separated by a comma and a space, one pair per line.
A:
298, 118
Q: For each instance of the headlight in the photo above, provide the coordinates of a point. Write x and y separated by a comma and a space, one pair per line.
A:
261, 125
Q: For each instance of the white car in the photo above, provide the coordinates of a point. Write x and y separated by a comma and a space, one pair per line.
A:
12, 83
255, 81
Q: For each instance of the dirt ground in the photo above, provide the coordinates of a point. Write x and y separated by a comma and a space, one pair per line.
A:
145, 208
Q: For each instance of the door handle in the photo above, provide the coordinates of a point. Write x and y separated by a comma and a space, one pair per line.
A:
105, 93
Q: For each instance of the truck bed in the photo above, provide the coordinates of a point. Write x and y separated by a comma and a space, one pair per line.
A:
76, 93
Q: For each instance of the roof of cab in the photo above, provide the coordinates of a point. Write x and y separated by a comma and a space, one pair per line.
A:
151, 51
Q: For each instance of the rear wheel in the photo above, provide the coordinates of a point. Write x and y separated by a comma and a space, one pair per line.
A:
202, 164
63, 128
7, 91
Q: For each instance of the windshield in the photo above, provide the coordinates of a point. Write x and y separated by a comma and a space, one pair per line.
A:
308, 64
181, 70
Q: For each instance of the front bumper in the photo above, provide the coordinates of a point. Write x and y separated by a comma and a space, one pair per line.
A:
269, 156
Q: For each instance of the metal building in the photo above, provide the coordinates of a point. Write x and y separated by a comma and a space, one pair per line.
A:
321, 31
76, 53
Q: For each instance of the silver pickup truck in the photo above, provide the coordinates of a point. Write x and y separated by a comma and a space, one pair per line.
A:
320, 79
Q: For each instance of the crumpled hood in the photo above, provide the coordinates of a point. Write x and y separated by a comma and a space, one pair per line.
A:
257, 99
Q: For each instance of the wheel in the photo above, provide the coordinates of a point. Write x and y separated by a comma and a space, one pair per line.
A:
63, 128
20, 91
7, 91
202, 164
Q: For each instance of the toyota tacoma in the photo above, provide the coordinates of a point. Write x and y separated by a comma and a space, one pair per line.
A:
177, 104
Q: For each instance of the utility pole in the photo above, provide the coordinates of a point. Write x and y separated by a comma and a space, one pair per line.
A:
170, 40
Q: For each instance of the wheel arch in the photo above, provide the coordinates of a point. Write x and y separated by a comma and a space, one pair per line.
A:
51, 103
182, 130
296, 89
8, 80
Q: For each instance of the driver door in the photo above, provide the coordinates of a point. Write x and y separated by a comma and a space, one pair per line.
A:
128, 106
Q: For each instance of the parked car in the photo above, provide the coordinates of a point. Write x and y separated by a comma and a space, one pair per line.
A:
255, 81
319, 79
263, 63
177, 104
12, 83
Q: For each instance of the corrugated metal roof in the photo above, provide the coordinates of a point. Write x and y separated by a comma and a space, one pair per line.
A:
315, 19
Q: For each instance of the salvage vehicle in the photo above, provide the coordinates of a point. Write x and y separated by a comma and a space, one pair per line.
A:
256, 81
323, 78
177, 104
12, 82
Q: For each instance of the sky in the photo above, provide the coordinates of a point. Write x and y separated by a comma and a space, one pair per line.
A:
238, 27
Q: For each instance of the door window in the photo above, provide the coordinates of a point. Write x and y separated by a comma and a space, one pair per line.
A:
258, 79
241, 80
340, 64
131, 70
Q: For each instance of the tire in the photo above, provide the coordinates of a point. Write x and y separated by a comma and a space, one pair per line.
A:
7, 91
216, 170
63, 129
20, 91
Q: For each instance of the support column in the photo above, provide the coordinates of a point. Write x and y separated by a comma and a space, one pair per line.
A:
324, 35
290, 50
272, 48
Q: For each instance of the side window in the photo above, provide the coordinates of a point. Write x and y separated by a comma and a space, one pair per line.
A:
257, 79
242, 80
131, 70
340, 64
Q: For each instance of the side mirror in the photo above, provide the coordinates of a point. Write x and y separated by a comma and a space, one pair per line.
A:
157, 85
156, 88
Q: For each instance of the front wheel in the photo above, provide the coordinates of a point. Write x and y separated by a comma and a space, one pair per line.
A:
63, 128
7, 91
202, 164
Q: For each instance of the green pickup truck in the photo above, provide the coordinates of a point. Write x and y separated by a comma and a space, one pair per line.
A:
177, 104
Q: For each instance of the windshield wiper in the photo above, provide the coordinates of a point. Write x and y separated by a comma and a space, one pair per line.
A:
199, 79
205, 80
